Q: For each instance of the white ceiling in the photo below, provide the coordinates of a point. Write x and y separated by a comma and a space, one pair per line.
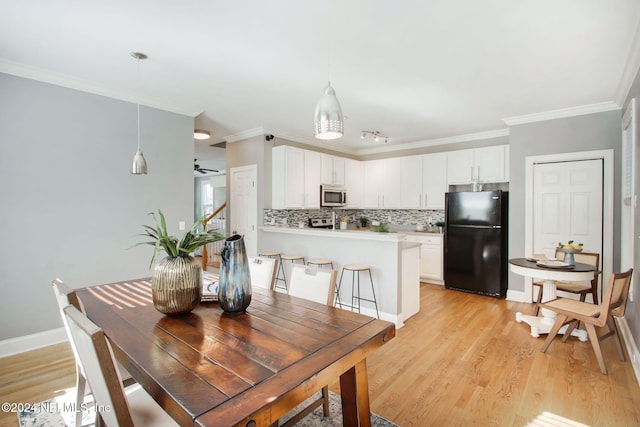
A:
421, 72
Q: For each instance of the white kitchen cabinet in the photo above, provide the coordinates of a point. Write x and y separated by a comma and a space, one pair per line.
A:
488, 164
333, 170
411, 173
354, 182
312, 166
434, 180
382, 184
430, 256
295, 178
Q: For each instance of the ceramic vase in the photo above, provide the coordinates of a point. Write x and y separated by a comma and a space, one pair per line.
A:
176, 285
234, 292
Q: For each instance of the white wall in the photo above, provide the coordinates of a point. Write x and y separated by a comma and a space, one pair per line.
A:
69, 206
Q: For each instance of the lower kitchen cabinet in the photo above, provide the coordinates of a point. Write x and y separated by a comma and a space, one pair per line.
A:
430, 257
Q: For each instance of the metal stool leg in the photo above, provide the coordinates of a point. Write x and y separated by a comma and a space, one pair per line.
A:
338, 301
374, 294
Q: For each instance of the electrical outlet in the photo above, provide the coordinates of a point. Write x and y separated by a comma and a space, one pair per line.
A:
182, 225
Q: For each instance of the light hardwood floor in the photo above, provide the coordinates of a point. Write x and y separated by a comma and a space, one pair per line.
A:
462, 361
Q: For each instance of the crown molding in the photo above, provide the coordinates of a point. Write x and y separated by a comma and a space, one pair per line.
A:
326, 145
59, 79
562, 113
631, 68
245, 134
432, 142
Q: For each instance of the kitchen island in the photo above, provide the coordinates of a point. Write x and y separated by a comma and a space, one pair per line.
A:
394, 262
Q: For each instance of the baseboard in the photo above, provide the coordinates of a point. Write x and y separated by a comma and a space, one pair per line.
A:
32, 342
518, 296
632, 347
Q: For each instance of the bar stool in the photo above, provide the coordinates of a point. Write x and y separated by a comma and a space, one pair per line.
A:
283, 278
289, 257
356, 269
320, 262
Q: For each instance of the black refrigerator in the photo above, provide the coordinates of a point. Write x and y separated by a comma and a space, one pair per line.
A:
475, 242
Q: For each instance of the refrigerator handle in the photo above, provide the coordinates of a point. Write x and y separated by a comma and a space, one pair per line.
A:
496, 226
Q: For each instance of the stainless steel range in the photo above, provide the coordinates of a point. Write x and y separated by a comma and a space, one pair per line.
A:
320, 223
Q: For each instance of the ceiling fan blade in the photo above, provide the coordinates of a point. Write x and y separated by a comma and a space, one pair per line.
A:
200, 170
210, 170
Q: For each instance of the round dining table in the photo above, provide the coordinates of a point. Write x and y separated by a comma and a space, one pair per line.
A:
549, 272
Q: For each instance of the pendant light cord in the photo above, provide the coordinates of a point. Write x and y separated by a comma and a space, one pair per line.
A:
138, 127
138, 78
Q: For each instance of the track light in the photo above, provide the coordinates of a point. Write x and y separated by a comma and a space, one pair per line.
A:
376, 135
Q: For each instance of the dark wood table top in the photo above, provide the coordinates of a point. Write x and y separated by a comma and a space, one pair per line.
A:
528, 263
211, 368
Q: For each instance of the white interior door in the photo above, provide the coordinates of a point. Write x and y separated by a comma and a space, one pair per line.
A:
243, 211
567, 205
567, 200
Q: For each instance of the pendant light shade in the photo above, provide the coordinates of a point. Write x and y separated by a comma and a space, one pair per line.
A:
328, 121
139, 164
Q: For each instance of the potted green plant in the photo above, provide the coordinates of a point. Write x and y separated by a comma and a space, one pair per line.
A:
176, 281
363, 221
440, 225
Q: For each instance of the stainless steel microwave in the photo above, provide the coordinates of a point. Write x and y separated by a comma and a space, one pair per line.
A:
333, 195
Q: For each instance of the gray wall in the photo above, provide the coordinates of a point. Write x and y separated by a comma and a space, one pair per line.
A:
69, 206
247, 152
632, 314
589, 132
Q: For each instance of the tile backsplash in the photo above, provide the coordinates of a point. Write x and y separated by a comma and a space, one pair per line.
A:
403, 217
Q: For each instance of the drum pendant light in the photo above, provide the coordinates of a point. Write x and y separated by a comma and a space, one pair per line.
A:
139, 166
328, 120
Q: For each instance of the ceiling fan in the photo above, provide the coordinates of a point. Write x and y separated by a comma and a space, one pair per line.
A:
197, 168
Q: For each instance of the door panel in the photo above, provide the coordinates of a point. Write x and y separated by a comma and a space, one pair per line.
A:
567, 200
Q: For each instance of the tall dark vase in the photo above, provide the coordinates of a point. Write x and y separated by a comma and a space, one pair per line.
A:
234, 292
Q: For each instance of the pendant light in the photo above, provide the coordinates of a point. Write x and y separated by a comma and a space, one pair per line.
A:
139, 166
328, 120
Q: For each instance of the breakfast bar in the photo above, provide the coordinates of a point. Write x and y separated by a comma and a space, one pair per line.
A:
394, 262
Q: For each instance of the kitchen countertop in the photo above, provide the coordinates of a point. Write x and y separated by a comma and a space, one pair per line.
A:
394, 234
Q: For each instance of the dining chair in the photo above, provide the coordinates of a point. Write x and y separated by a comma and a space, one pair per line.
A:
114, 406
263, 272
314, 284
66, 296
580, 288
591, 315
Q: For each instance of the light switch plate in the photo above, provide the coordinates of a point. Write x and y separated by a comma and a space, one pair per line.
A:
182, 225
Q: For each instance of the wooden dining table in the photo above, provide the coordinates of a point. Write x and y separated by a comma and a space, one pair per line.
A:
210, 368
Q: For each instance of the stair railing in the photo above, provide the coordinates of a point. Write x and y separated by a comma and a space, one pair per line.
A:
211, 250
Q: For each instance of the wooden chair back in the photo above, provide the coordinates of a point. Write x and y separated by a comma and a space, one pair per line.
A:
315, 284
590, 258
614, 301
101, 372
263, 272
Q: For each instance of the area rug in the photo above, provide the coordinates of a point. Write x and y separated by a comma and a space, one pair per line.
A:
54, 413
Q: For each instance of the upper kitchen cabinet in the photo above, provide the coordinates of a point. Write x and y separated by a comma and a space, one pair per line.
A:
354, 182
382, 181
333, 170
411, 182
488, 164
295, 178
434, 180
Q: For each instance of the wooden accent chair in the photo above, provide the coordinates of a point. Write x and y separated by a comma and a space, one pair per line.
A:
66, 296
114, 407
571, 311
576, 287
263, 272
316, 285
